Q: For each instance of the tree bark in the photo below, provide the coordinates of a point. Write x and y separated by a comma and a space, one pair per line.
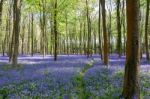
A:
131, 88
105, 48
16, 30
1, 9
146, 30
55, 31
89, 30
99, 31
32, 32
119, 41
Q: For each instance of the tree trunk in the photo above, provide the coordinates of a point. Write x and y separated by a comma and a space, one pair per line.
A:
16, 30
119, 41
23, 38
131, 88
105, 48
32, 38
146, 31
29, 35
99, 31
55, 31
1, 9
124, 27
89, 30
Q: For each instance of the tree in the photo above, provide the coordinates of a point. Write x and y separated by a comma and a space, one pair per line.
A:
29, 33
55, 30
146, 30
32, 35
131, 88
119, 42
89, 30
105, 48
109, 26
43, 26
1, 9
16, 30
22, 36
99, 31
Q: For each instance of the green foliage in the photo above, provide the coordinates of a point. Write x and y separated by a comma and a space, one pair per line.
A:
88, 65
10, 67
32, 86
110, 87
80, 87
3, 93
80, 83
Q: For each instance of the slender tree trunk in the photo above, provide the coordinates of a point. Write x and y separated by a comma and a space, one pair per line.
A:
89, 30
29, 35
32, 38
67, 34
99, 31
1, 9
110, 28
84, 36
123, 26
119, 41
80, 39
146, 30
22, 36
6, 40
55, 31
3, 47
141, 35
16, 30
131, 88
105, 48
11, 48
22, 46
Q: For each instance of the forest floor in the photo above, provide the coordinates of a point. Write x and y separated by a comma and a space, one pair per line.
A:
71, 77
